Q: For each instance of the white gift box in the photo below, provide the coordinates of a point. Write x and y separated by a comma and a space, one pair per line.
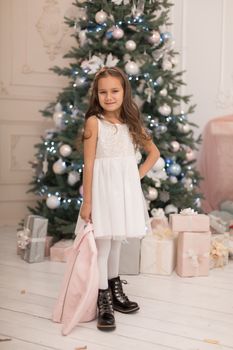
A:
130, 257
158, 256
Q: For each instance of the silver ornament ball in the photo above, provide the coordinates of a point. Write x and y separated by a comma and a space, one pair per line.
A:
175, 146
59, 167
65, 150
152, 193
53, 202
117, 33
131, 68
154, 38
165, 110
101, 17
130, 45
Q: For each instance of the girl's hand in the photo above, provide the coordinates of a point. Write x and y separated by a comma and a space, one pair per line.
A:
85, 212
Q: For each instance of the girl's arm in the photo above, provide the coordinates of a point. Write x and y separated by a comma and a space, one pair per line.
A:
153, 155
90, 140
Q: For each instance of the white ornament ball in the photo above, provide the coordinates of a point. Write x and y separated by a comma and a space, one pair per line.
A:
163, 92
101, 17
59, 167
159, 165
73, 177
130, 45
175, 146
152, 193
186, 128
170, 209
154, 38
131, 68
65, 150
117, 33
173, 179
165, 110
53, 202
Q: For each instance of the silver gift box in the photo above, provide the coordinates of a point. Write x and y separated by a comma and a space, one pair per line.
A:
130, 257
37, 226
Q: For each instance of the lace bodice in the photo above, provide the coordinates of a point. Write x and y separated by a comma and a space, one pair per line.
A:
114, 140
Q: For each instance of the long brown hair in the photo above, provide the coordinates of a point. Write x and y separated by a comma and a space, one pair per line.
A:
129, 113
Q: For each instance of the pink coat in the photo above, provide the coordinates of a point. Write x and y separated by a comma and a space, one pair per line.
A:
77, 301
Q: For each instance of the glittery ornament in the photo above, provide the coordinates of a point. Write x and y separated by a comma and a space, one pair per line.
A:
101, 17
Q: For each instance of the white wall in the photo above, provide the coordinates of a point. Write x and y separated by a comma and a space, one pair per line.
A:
203, 32
33, 38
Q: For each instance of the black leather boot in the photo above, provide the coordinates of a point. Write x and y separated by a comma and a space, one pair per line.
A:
106, 320
121, 302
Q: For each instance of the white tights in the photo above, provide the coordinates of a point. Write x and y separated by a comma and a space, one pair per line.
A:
108, 260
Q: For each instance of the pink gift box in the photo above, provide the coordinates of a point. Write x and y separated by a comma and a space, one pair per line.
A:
60, 250
193, 250
48, 245
189, 223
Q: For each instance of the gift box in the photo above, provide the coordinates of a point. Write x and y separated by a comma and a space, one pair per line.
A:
48, 244
227, 206
32, 238
220, 220
130, 257
231, 241
219, 250
158, 251
60, 250
190, 222
158, 256
193, 249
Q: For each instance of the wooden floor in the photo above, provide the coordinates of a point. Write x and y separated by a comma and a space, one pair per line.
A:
176, 313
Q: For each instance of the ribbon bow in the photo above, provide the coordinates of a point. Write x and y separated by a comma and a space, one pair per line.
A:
218, 252
162, 232
195, 258
23, 238
188, 211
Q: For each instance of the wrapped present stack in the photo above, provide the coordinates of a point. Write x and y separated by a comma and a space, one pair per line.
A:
193, 245
158, 249
31, 240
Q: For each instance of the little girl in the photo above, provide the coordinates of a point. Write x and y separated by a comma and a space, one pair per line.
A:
112, 196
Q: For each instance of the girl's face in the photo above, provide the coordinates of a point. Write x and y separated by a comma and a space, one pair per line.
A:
110, 93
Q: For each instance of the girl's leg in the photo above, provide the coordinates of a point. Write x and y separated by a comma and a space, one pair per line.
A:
114, 259
103, 248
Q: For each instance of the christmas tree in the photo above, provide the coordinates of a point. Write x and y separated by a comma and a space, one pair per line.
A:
133, 35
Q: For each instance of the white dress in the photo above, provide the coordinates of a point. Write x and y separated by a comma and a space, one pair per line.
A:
118, 205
